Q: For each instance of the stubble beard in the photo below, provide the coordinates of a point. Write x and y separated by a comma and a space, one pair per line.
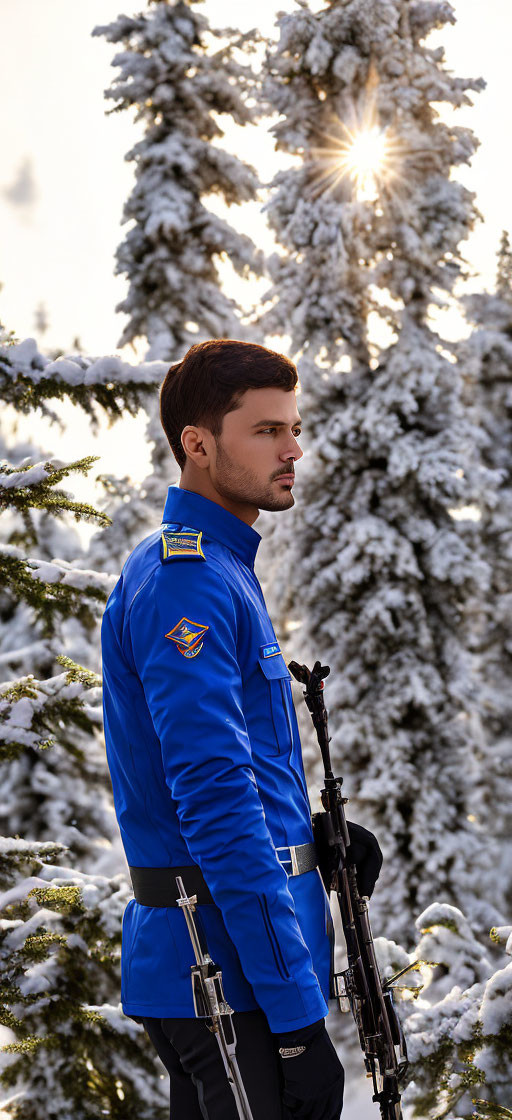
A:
239, 484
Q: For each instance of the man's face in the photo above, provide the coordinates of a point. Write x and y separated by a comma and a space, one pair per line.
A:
258, 443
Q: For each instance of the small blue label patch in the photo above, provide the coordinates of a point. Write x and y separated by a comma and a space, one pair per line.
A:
269, 650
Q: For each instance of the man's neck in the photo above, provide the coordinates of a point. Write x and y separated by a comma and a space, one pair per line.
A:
243, 510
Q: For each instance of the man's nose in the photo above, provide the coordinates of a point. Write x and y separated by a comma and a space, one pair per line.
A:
297, 452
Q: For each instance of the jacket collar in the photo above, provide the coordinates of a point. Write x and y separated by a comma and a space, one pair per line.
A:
188, 508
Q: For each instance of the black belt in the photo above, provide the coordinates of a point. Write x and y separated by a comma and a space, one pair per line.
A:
156, 886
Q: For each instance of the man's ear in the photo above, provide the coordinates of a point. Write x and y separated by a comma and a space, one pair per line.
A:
196, 444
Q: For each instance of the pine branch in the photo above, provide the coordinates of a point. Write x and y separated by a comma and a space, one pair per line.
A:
30, 486
17, 854
54, 588
489, 1111
28, 379
31, 708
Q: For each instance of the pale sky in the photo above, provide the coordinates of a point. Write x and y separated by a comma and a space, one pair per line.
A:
64, 179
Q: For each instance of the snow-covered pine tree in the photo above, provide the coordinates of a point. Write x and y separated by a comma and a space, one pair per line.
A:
377, 566
65, 796
459, 1030
66, 1049
186, 81
59, 1005
181, 75
75, 1053
486, 357
51, 605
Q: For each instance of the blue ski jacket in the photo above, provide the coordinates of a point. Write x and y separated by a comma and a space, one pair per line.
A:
206, 767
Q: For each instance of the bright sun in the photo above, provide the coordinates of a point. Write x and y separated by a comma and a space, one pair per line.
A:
368, 155
365, 160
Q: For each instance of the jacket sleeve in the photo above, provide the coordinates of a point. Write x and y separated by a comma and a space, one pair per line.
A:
195, 699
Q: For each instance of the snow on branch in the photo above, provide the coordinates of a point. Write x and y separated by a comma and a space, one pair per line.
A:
55, 586
30, 484
28, 378
29, 708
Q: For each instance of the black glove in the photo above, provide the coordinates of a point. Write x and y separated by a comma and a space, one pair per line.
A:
313, 1075
365, 853
363, 850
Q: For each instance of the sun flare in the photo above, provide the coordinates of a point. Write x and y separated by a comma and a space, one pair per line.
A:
365, 160
367, 154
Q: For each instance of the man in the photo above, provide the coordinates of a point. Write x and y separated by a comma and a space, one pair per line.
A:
205, 757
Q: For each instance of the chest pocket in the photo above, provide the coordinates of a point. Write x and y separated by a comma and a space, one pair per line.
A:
278, 677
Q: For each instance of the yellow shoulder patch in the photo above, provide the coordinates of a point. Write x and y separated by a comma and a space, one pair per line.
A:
181, 543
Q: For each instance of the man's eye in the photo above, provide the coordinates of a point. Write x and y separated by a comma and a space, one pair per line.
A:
263, 430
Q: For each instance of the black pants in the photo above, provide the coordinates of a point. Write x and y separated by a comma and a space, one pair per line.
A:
199, 1086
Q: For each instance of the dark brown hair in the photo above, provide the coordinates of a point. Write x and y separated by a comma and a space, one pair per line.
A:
211, 380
